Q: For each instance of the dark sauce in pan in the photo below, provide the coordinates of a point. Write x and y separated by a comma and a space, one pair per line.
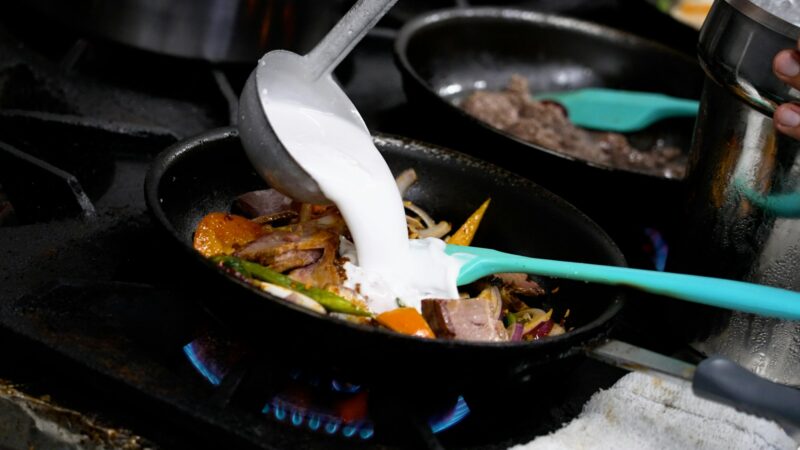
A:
546, 124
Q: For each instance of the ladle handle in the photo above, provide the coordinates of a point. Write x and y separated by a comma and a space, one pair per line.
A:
345, 35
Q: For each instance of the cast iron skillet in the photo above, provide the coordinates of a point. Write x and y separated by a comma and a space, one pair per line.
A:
205, 173
447, 54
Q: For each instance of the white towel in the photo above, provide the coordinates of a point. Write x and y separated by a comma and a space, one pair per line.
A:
646, 412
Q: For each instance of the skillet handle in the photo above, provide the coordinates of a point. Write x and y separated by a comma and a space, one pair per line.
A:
723, 381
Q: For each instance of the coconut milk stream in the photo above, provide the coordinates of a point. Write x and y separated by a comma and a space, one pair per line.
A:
339, 154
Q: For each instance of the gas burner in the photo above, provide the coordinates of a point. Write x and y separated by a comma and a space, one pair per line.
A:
303, 399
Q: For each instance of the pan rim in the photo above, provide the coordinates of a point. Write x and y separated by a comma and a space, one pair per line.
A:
583, 335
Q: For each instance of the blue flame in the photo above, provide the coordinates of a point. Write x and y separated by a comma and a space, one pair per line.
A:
457, 414
314, 423
280, 413
331, 427
348, 430
346, 388
297, 418
660, 248
364, 429
209, 371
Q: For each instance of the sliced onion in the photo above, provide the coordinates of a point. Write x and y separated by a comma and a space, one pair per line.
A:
290, 296
328, 220
557, 329
532, 315
515, 332
535, 320
493, 294
351, 318
429, 222
541, 330
436, 231
405, 180
414, 224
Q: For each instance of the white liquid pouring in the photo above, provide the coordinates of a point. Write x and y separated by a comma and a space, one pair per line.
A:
336, 149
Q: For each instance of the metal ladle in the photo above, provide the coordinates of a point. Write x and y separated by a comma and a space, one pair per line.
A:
312, 74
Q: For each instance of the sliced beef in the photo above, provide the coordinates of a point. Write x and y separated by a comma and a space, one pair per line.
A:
470, 319
519, 283
293, 259
532, 130
518, 87
513, 288
324, 272
495, 108
264, 249
263, 203
545, 123
309, 251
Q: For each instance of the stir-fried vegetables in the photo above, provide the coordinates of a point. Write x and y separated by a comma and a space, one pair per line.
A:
220, 233
328, 300
423, 226
405, 180
406, 321
292, 251
466, 233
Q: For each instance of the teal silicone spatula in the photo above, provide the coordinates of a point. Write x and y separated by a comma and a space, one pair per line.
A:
618, 110
730, 294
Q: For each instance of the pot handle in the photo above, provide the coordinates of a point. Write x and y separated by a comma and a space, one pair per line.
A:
723, 381
715, 378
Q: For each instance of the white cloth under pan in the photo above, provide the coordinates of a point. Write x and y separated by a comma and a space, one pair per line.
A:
646, 412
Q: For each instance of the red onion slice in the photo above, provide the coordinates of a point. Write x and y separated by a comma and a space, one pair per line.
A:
539, 331
515, 333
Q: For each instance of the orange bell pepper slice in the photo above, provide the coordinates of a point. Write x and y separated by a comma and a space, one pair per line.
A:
406, 321
222, 234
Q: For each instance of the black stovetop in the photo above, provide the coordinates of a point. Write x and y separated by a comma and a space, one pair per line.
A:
97, 313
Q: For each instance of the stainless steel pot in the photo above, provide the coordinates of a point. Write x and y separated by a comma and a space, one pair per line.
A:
213, 30
744, 178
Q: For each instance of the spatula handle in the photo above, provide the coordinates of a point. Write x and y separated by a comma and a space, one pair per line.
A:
730, 294
680, 107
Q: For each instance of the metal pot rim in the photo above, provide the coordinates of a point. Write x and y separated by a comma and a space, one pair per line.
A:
766, 18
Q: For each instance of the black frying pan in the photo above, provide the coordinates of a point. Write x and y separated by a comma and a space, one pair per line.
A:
206, 173
445, 55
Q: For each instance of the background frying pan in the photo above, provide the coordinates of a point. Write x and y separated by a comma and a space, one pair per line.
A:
206, 173
446, 54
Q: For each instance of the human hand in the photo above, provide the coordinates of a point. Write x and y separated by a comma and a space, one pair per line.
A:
786, 66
